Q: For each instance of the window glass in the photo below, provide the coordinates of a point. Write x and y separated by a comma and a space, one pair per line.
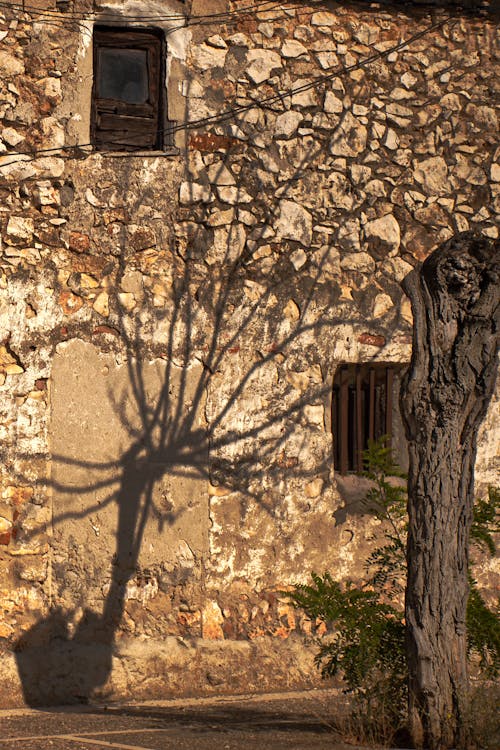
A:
123, 75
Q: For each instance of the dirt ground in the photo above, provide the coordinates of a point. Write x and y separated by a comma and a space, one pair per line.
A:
291, 721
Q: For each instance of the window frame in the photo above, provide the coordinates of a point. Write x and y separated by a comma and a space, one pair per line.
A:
117, 125
359, 412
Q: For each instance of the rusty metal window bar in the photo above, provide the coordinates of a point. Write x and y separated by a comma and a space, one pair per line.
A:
128, 95
362, 410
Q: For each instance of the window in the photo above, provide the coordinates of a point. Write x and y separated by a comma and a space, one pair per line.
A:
364, 397
127, 96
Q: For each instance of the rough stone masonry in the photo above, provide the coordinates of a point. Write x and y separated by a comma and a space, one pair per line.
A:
171, 322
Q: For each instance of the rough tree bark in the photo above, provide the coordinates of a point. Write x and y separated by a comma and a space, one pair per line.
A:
455, 296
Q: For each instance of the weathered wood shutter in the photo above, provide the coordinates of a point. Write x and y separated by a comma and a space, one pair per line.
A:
127, 93
362, 405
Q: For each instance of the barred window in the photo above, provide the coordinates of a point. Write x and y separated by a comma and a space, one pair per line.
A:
364, 407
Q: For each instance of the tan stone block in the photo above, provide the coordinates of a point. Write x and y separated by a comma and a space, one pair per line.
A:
292, 311
101, 304
314, 488
212, 619
70, 303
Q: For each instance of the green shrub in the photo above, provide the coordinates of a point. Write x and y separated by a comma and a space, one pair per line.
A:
367, 645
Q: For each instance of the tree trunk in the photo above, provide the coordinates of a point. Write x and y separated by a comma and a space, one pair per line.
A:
455, 297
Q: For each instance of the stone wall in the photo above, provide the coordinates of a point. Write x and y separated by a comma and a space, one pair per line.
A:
171, 323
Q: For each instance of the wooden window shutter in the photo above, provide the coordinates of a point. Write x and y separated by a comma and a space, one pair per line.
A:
127, 107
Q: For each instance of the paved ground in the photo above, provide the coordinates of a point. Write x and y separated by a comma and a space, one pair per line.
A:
292, 721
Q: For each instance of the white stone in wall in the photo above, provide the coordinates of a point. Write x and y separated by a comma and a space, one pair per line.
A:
333, 105
396, 268
236, 132
16, 167
452, 102
399, 114
49, 166
217, 41
45, 194
485, 117
101, 304
133, 282
307, 98
323, 18
194, 192
267, 29
461, 223
405, 311
350, 138
340, 192
491, 231
11, 136
221, 218
233, 195
195, 165
391, 140
239, 40
292, 311
53, 133
126, 300
246, 217
287, 123
322, 120
10, 65
408, 80
228, 244
314, 414
219, 174
327, 59
378, 130
51, 87
349, 234
382, 304
376, 187
432, 174
362, 262
294, 223
20, 228
298, 259
495, 172
466, 170
206, 58
399, 93
360, 173
292, 48
366, 34
360, 110
261, 62
384, 231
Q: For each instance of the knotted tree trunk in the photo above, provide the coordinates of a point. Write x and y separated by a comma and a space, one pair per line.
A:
455, 297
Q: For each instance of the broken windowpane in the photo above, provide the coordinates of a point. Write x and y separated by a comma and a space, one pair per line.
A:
123, 75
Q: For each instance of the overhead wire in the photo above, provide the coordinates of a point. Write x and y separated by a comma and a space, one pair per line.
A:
264, 6
201, 18
336, 71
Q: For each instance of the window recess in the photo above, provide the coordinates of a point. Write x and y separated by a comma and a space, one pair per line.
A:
128, 107
364, 407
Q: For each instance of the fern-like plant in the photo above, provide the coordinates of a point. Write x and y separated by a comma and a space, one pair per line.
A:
367, 644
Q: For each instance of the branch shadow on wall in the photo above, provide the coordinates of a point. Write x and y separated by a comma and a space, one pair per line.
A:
207, 321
